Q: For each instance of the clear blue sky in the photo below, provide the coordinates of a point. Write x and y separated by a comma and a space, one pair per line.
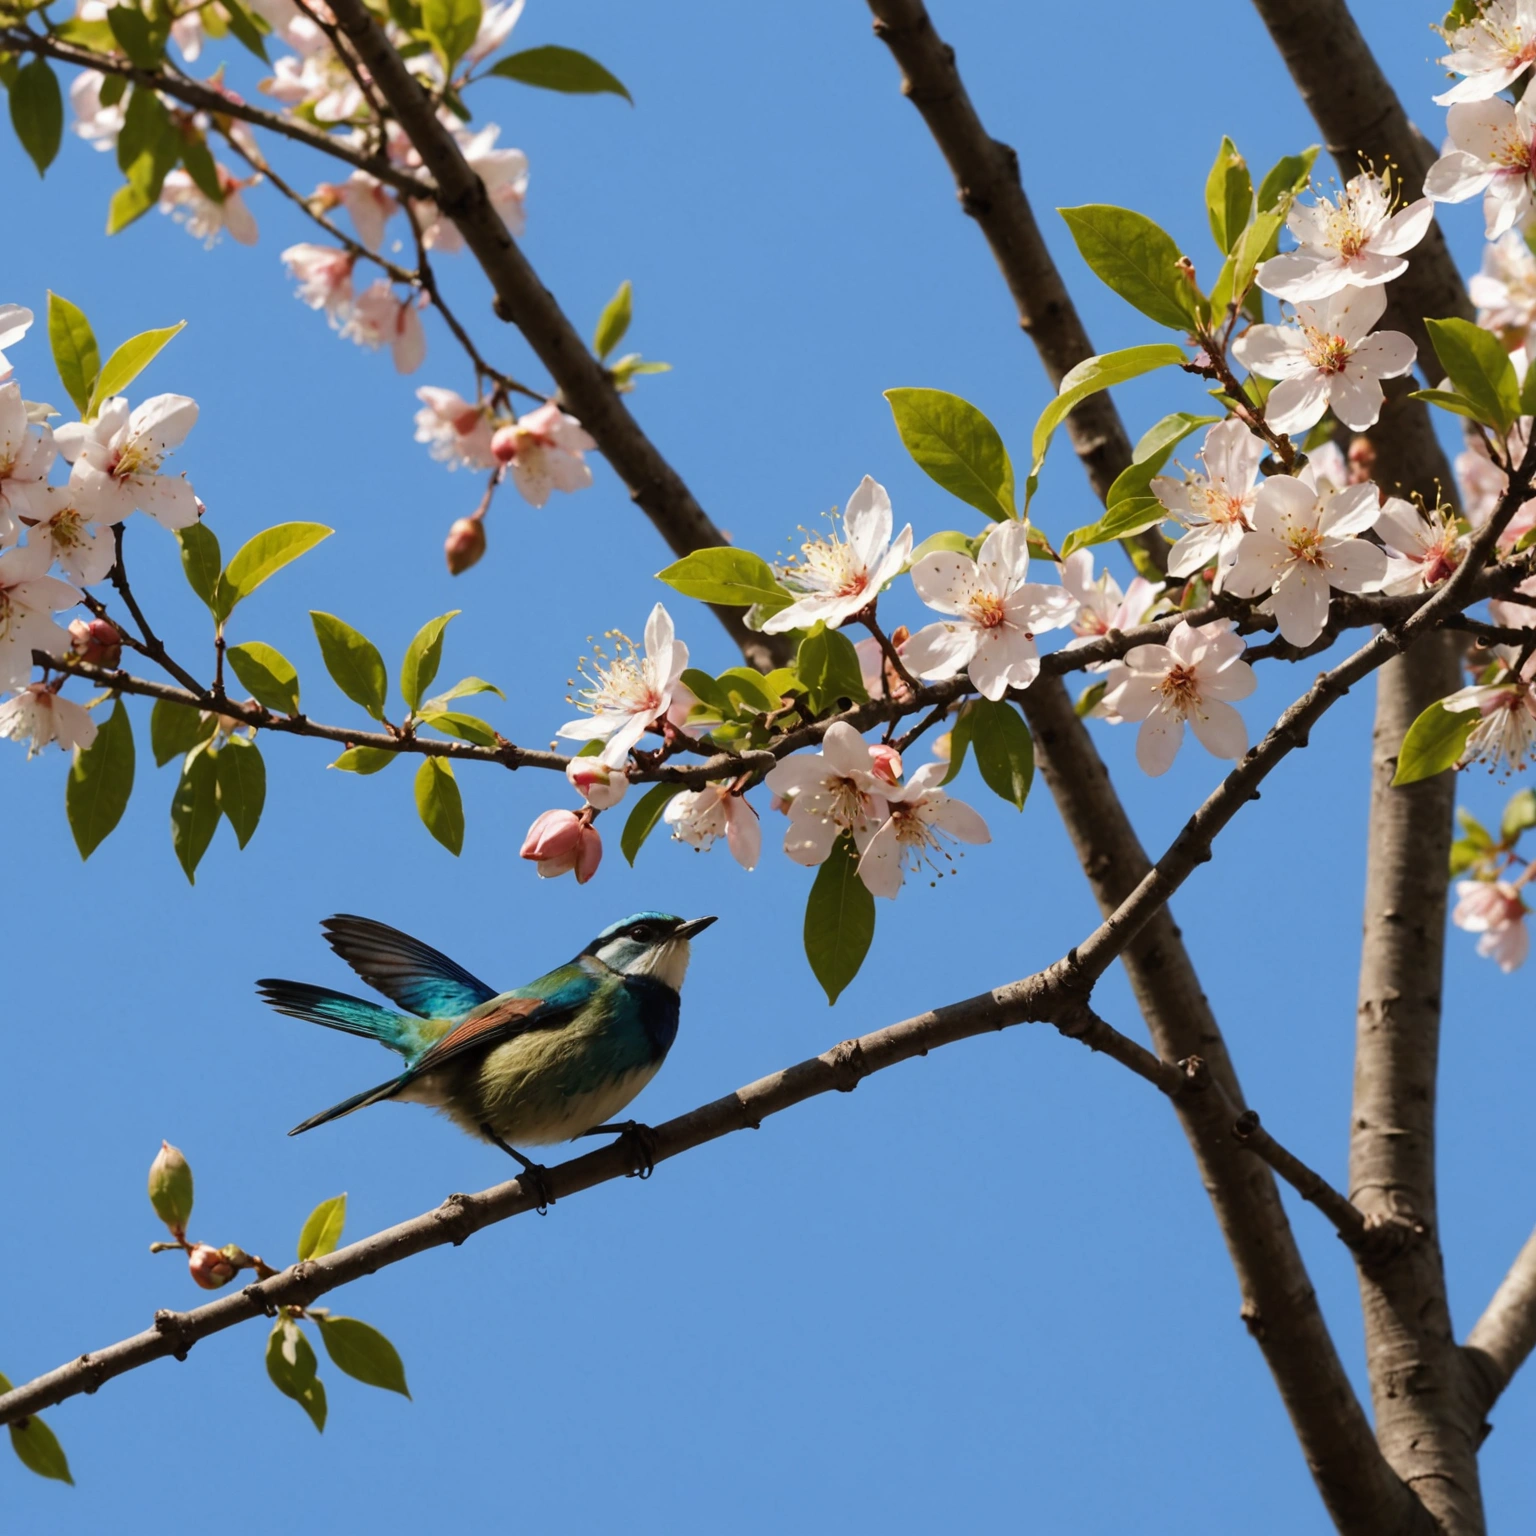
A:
984, 1292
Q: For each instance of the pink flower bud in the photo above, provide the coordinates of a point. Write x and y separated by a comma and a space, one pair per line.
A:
209, 1267
506, 442
600, 786
589, 855
885, 763
559, 842
96, 641
465, 544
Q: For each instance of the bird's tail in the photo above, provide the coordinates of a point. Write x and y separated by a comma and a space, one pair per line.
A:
357, 1101
338, 1010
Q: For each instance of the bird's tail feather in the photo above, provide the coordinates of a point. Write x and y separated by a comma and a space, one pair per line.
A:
357, 1101
338, 1010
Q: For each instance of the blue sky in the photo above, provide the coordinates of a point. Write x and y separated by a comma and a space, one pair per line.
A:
983, 1292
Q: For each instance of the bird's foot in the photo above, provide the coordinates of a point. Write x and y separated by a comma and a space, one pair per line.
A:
535, 1175
640, 1141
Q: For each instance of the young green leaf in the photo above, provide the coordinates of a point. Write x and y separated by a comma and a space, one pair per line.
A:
194, 812
643, 819
462, 689
174, 729
37, 1447
37, 112
198, 159
959, 744
1479, 368
560, 69
131, 27
708, 692
353, 661
829, 667
247, 27
1447, 400
200, 560
263, 556
1519, 815
1434, 742
291, 1364
267, 675
322, 1228
747, 686
75, 353
363, 1353
451, 27
1139, 260
465, 727
1127, 518
954, 444
128, 203
839, 920
423, 656
1228, 196
1285, 178
100, 782
364, 760
1005, 751
130, 360
735, 578
241, 777
614, 320
1087, 701
439, 803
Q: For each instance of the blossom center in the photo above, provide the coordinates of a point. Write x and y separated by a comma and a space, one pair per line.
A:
842, 801
1180, 688
1306, 545
1219, 505
832, 567
1513, 153
1327, 352
68, 529
987, 610
133, 459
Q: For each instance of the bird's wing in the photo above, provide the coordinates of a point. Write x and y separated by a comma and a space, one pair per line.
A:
413, 974
513, 1014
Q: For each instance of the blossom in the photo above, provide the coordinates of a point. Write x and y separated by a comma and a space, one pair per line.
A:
1493, 149
840, 789
698, 816
1481, 481
505, 174
1508, 614
205, 219
1302, 545
97, 641
1492, 50
496, 23
15, 322
1215, 504
835, 578
1327, 358
1505, 290
1505, 732
25, 458
599, 784
1195, 677
561, 842
38, 715
84, 554
544, 449
96, 123
378, 316
919, 817
1357, 242
1422, 548
117, 461
996, 613
318, 79
28, 596
187, 33
324, 276
456, 431
630, 691
1101, 605
370, 204
1496, 910
879, 676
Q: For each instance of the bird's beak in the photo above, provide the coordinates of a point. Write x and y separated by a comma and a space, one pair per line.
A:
691, 927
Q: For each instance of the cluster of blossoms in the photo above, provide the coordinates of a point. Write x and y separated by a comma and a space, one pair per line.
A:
114, 465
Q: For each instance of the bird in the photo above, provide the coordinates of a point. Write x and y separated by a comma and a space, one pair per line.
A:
547, 1062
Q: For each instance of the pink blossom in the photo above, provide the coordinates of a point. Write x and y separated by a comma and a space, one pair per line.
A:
378, 317
1496, 910
324, 276
561, 842
544, 450
599, 784
456, 431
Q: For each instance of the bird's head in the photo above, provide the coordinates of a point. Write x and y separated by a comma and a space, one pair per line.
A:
651, 944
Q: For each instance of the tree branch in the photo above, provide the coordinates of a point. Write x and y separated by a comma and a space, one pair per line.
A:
1506, 1332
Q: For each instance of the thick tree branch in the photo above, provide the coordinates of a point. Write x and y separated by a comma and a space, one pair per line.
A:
1506, 1332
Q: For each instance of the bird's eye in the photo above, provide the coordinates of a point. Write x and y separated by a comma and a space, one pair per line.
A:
643, 932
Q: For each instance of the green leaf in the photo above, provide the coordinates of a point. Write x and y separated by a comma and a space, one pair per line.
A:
353, 662
644, 817
1285, 178
267, 675
1256, 243
708, 692
959, 744
242, 784
198, 159
839, 920
735, 578
614, 320
364, 760
462, 689
451, 27
1464, 855
37, 1447
1528, 393
423, 656
560, 69
954, 444
37, 112
194, 812
439, 804
100, 782
1088, 378
1133, 515
75, 353
1228, 196
828, 665
261, 557
363, 1353
465, 727
174, 729
129, 361
143, 45
1434, 742
200, 560
747, 686
147, 136
128, 203
1479, 368
1088, 699
950, 541
1519, 815
1005, 751
1132, 255
1447, 400
322, 1228
247, 28
291, 1364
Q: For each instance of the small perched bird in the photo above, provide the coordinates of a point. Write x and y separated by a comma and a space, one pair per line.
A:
547, 1062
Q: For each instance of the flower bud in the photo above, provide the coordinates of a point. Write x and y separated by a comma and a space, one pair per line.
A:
209, 1267
560, 842
885, 763
506, 441
96, 641
1362, 460
170, 1189
600, 786
464, 545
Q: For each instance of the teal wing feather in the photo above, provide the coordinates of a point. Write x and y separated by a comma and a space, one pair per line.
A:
352, 1015
410, 973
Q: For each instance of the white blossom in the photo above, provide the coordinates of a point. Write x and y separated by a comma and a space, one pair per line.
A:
117, 457
455, 430
324, 276
920, 817
600, 785
1505, 290
97, 124
627, 693
370, 204
1493, 146
1422, 548
698, 816
37, 715
1101, 605
544, 452
86, 555
505, 174
1215, 503
15, 322
1495, 910
1506, 729
841, 788
205, 219
377, 317
28, 598
496, 23
25, 459
1492, 50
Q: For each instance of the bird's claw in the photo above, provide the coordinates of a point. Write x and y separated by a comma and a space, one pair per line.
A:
535, 1176
640, 1141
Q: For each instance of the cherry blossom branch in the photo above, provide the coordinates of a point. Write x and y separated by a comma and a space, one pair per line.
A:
1504, 1336
149, 642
